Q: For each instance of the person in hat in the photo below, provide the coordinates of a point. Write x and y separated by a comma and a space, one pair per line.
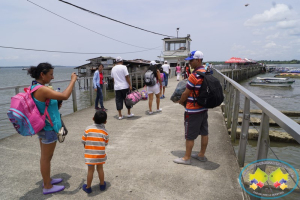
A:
167, 70
154, 89
122, 86
195, 116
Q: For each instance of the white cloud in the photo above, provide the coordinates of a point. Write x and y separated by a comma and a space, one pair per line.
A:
256, 42
271, 37
287, 24
277, 13
237, 47
270, 45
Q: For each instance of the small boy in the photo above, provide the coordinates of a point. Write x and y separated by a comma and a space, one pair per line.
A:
95, 139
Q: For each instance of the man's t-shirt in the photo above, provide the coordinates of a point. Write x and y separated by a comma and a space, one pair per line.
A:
194, 84
166, 68
118, 73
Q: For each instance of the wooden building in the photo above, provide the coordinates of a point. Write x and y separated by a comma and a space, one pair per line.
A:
176, 50
136, 69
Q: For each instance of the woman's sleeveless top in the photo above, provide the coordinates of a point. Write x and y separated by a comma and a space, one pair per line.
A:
53, 113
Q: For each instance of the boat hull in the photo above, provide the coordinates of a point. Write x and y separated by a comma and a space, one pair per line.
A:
272, 84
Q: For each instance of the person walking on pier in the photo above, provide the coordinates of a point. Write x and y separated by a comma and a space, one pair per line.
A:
95, 139
195, 116
122, 86
178, 71
98, 86
187, 71
154, 89
166, 68
43, 74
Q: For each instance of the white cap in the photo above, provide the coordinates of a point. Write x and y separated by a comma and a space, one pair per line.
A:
195, 55
166, 61
152, 62
119, 59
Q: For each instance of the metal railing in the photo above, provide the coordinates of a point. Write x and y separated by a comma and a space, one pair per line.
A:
135, 78
232, 91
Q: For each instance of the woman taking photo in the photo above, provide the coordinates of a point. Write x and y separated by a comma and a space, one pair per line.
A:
43, 74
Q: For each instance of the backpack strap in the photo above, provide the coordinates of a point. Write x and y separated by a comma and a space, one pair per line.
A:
48, 118
194, 92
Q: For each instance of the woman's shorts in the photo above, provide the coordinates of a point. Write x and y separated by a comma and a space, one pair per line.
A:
153, 89
47, 137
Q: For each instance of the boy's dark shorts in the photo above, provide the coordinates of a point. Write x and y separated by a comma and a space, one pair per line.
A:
195, 124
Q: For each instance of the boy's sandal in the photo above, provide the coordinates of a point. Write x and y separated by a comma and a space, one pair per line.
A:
87, 190
103, 187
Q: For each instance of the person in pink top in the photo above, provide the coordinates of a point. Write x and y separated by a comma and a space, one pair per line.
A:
178, 71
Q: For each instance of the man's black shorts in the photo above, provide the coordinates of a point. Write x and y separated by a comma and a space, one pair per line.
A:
120, 98
195, 124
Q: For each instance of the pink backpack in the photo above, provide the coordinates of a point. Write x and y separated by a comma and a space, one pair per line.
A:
24, 114
132, 98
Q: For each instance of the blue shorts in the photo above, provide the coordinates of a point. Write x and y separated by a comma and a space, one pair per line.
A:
47, 137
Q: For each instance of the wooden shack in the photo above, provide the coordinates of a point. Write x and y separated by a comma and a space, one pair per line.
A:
136, 69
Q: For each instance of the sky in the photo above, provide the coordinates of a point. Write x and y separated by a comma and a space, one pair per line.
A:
263, 30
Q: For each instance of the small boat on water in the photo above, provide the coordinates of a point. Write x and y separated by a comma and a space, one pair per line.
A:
271, 81
24, 68
271, 78
294, 75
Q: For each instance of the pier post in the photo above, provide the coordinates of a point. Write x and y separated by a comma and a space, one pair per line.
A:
263, 139
91, 92
235, 115
244, 133
74, 99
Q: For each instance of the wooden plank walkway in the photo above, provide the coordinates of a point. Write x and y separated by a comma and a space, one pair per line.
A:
140, 159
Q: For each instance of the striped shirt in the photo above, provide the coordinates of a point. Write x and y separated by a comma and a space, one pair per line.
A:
194, 84
95, 138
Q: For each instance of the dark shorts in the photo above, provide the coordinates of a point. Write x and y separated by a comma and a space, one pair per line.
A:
195, 124
120, 98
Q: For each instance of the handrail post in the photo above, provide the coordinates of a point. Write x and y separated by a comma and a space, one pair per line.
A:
142, 80
130, 78
226, 99
91, 92
244, 133
263, 139
17, 90
104, 91
235, 115
74, 99
230, 105
136, 81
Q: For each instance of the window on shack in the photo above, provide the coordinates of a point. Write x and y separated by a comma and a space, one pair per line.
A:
174, 46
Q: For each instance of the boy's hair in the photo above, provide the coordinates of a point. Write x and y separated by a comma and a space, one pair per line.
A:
100, 117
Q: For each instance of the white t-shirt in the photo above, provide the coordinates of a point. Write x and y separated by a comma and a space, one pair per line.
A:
166, 68
118, 73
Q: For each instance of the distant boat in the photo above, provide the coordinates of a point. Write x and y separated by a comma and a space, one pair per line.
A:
270, 81
271, 78
24, 68
294, 75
